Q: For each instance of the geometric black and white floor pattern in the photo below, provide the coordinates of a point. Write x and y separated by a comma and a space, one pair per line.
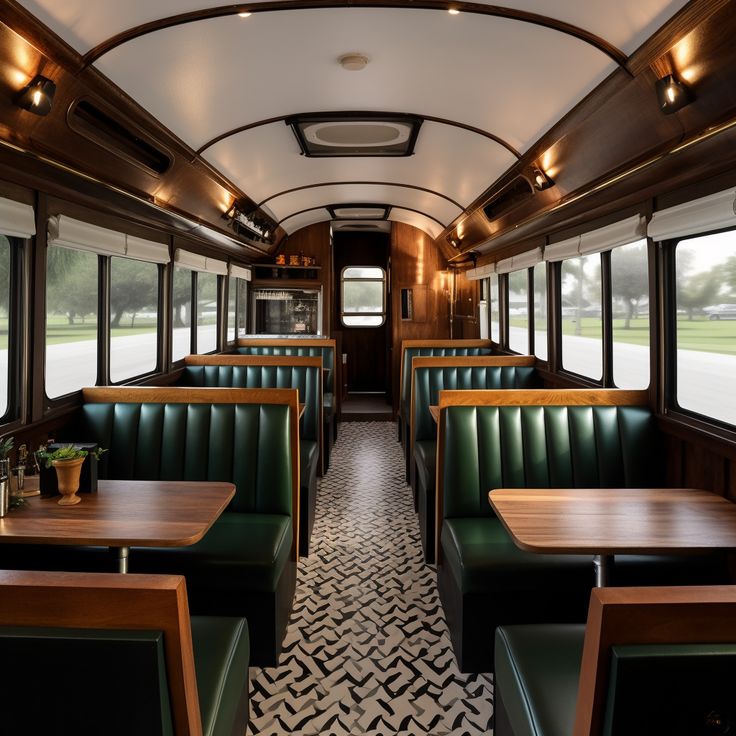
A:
367, 649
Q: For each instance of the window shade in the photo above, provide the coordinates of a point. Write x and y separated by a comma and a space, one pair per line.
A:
691, 218
522, 260
197, 262
146, 250
481, 272
17, 220
238, 272
71, 233
611, 236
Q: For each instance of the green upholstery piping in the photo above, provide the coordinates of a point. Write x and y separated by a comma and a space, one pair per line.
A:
245, 444
490, 447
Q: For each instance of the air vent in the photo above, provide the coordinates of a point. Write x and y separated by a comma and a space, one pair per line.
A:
122, 139
358, 211
377, 226
519, 190
355, 134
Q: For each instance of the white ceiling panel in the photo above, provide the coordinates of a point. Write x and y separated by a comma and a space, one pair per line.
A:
84, 24
422, 222
204, 78
453, 161
413, 199
624, 23
305, 218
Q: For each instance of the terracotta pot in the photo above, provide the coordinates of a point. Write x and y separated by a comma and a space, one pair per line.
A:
67, 475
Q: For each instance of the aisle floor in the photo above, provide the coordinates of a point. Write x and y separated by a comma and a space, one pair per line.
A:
367, 650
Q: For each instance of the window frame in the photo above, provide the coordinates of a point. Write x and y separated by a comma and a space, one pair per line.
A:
384, 306
18, 315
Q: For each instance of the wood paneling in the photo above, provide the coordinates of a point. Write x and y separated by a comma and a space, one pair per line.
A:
544, 397
416, 260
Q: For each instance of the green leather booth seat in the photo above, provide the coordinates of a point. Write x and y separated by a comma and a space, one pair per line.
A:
484, 580
243, 565
537, 669
328, 361
93, 681
308, 380
405, 389
428, 382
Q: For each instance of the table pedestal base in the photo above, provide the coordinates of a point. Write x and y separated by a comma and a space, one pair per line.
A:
602, 567
122, 555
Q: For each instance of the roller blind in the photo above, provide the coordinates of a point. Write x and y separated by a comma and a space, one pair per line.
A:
522, 260
197, 262
481, 272
238, 272
71, 233
701, 215
146, 250
596, 241
16, 219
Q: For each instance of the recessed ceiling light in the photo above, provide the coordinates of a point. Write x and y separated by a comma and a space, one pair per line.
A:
246, 14
353, 62
453, 11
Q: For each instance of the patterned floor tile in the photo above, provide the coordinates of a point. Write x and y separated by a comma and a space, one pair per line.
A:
367, 650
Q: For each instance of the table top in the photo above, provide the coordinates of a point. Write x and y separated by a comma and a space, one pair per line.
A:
122, 513
616, 520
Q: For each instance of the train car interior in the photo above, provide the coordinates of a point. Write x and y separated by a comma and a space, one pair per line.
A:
368, 367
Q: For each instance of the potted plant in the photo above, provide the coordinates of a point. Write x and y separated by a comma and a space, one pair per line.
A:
67, 461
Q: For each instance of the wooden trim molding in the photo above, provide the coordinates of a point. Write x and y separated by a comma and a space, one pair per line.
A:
362, 114
113, 601
292, 342
682, 615
545, 397
266, 7
285, 360
472, 361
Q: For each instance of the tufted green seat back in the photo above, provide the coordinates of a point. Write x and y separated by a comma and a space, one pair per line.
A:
489, 447
429, 381
245, 444
326, 353
411, 353
307, 379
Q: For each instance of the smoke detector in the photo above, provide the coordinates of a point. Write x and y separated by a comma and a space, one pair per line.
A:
353, 62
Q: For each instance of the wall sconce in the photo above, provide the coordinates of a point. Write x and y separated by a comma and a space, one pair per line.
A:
541, 180
37, 96
672, 94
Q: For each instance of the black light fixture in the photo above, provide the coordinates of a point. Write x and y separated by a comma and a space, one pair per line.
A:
37, 96
253, 225
672, 94
541, 180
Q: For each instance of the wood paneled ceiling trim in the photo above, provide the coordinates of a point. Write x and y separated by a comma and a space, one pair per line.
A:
361, 183
361, 114
257, 7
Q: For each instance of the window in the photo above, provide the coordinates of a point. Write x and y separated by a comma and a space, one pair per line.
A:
540, 311
182, 313
495, 326
237, 298
133, 318
206, 312
582, 326
363, 296
519, 311
5, 283
706, 324
71, 320
630, 293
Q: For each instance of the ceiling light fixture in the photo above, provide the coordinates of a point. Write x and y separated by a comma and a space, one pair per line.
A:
37, 96
453, 11
353, 62
541, 180
245, 14
672, 94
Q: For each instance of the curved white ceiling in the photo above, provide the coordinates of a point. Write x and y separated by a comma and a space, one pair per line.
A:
506, 77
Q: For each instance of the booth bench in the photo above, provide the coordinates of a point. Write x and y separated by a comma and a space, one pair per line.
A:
538, 439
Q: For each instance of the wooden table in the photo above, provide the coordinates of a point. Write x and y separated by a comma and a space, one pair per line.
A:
606, 521
122, 514
434, 410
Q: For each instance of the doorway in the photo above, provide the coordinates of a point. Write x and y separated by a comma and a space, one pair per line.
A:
363, 319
